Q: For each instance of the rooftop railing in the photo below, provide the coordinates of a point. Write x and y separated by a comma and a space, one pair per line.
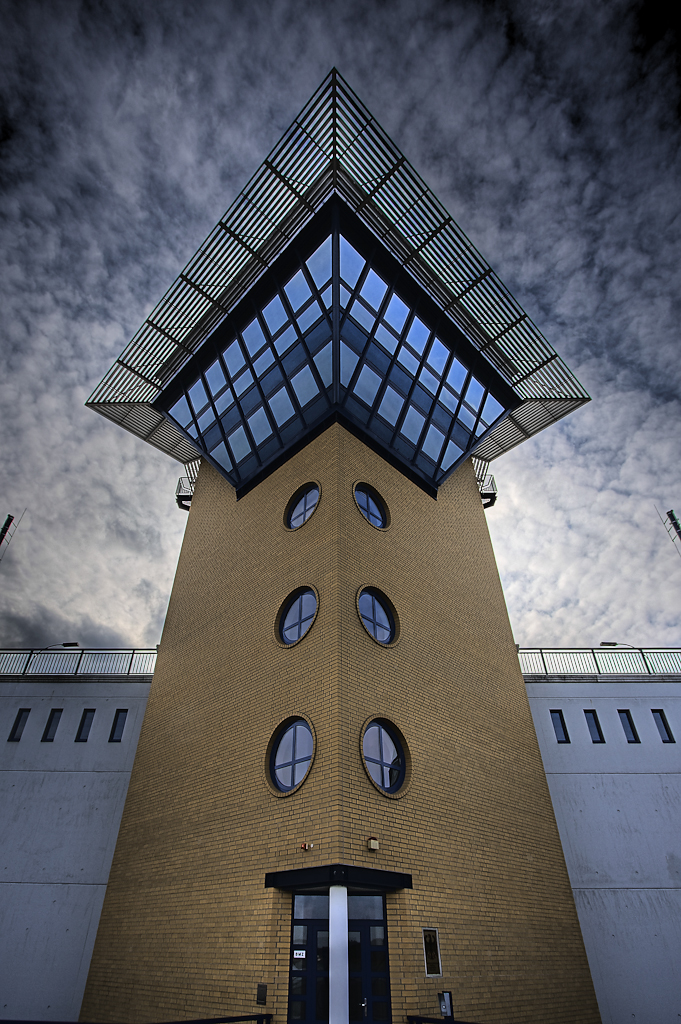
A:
541, 661
79, 662
562, 661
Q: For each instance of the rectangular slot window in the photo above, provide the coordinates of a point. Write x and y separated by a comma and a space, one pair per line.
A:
51, 727
118, 725
663, 726
594, 727
559, 727
85, 725
19, 723
628, 726
431, 952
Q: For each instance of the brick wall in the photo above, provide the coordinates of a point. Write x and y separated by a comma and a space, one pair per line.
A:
187, 928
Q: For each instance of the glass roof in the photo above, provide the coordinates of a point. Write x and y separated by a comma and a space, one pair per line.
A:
263, 388
336, 148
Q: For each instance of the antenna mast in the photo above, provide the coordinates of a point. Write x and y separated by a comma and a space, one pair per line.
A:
673, 527
7, 531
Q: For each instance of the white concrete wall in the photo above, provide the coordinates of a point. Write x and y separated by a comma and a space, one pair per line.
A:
618, 809
61, 805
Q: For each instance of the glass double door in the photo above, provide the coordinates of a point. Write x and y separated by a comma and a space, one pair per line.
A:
369, 977
368, 969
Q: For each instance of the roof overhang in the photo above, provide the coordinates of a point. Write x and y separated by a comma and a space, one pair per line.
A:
334, 148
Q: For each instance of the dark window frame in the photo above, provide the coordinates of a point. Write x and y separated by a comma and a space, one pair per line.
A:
290, 724
371, 494
396, 740
308, 511
17, 729
50, 730
628, 725
380, 597
594, 726
85, 725
666, 735
303, 620
438, 953
116, 734
559, 723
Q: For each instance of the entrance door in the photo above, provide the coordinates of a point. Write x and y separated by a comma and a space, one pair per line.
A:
308, 994
369, 977
368, 960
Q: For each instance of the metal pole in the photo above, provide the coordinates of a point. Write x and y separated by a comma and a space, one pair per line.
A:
5, 527
339, 986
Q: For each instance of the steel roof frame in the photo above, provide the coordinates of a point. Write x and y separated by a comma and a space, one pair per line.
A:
336, 146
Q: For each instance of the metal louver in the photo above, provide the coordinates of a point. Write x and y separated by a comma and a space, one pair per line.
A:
336, 147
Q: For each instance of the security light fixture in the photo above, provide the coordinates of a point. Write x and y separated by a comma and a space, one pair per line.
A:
65, 643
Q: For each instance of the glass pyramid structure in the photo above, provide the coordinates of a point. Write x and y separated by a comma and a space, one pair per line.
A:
337, 288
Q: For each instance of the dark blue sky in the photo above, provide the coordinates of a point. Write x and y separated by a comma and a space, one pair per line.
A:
549, 130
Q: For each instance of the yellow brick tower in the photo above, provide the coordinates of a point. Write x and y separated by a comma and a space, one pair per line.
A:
338, 810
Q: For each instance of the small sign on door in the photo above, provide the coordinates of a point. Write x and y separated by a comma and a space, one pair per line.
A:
298, 954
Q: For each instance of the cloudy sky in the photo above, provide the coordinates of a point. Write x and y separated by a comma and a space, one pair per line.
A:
551, 132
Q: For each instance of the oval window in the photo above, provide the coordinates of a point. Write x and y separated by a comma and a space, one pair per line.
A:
292, 755
371, 506
383, 756
376, 615
302, 505
297, 615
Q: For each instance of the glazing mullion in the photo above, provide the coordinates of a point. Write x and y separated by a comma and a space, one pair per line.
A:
448, 432
390, 291
405, 410
218, 417
316, 297
290, 390
270, 415
386, 380
448, 437
335, 308
266, 333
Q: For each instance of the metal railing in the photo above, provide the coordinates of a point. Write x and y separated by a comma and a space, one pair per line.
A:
184, 492
80, 662
261, 1018
540, 661
549, 661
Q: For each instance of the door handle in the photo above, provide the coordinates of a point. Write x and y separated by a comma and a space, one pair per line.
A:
365, 1004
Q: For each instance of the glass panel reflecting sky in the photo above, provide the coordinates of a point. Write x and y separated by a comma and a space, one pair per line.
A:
292, 755
319, 264
383, 760
304, 507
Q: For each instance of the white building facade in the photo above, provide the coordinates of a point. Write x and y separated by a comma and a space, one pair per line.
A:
611, 742
69, 726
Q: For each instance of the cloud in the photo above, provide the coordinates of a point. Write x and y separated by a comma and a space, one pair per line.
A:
549, 131
39, 626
